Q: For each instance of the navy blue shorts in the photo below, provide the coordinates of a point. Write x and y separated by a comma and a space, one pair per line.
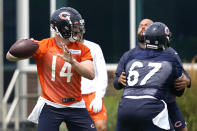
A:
76, 119
137, 114
176, 116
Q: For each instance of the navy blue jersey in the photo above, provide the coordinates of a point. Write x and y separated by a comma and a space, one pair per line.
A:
149, 72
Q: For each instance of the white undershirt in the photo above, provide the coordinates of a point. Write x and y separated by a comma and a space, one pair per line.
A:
99, 83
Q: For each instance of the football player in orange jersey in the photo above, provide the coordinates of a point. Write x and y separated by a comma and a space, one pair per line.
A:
61, 61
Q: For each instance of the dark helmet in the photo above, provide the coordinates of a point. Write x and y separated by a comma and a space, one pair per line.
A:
157, 36
64, 20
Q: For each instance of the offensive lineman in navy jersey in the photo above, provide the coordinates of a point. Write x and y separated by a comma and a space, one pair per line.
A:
149, 74
173, 109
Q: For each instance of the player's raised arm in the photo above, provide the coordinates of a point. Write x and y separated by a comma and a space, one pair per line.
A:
22, 49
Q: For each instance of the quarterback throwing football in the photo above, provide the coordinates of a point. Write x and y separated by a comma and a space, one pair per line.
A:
61, 61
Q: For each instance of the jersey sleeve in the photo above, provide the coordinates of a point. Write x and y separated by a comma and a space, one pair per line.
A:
119, 70
86, 54
178, 69
173, 52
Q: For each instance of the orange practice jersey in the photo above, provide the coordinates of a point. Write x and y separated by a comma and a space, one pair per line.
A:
57, 77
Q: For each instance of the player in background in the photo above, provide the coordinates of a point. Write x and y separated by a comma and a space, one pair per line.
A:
150, 76
61, 61
94, 90
181, 83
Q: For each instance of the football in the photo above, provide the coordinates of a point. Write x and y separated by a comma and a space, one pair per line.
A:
24, 48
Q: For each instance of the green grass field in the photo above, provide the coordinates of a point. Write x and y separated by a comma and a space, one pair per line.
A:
111, 103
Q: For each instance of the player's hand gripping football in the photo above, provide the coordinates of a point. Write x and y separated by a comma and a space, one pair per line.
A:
67, 55
96, 104
122, 79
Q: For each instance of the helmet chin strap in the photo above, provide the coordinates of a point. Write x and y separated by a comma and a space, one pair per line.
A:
72, 38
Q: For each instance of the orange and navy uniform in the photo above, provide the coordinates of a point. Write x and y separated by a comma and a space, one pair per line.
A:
57, 77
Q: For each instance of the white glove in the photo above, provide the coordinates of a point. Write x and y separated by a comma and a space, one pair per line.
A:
96, 104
